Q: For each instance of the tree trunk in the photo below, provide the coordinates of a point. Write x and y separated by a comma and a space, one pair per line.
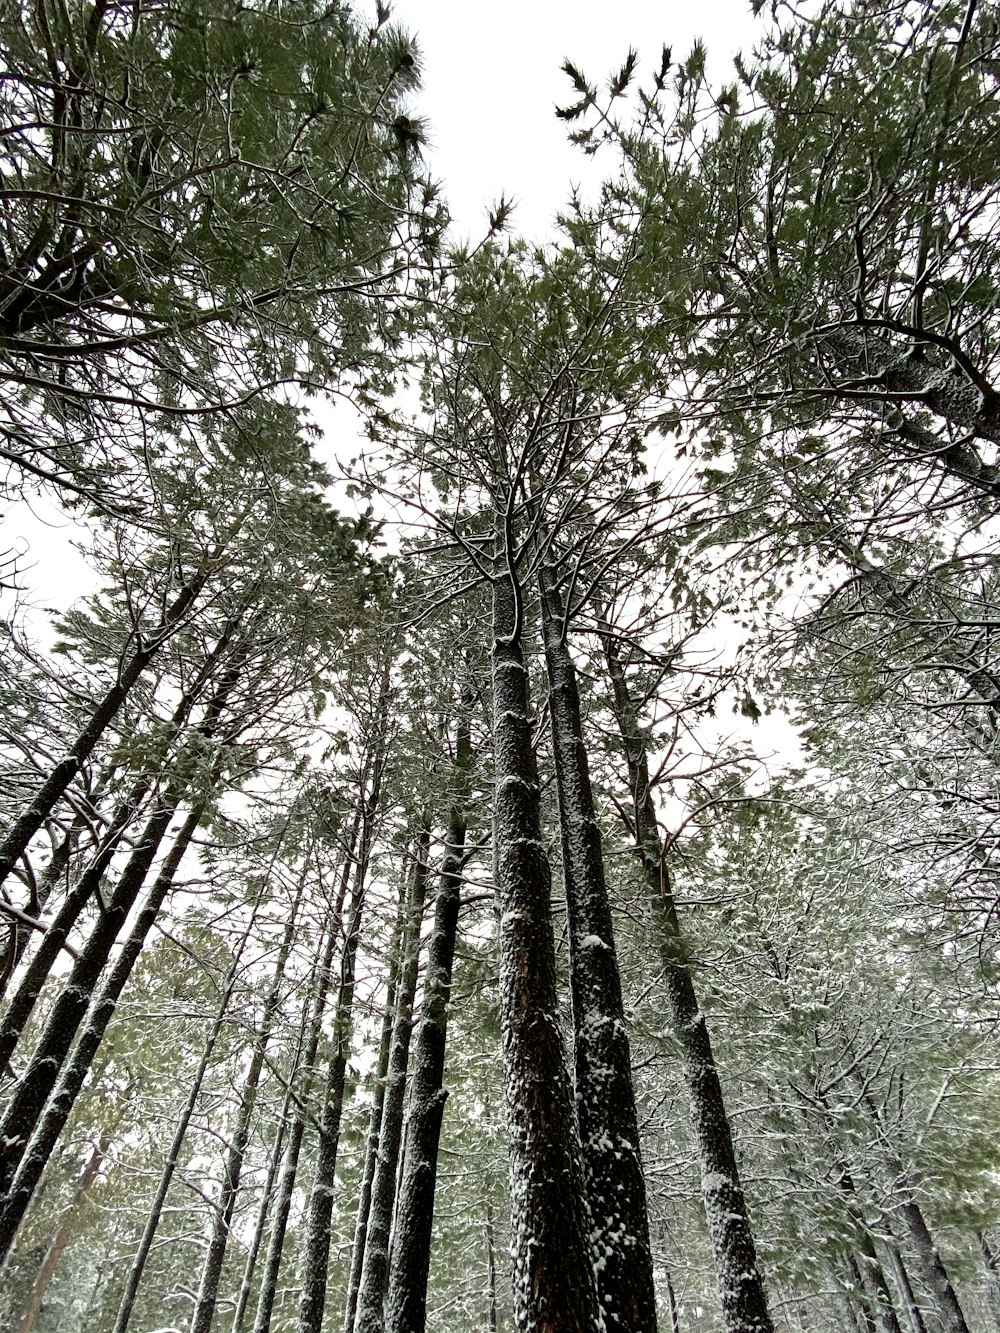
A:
406, 1302
211, 1273
132, 1282
28, 824
20, 933
60, 1240
375, 1271
320, 1210
55, 1045
741, 1284
374, 1124
23, 1000
553, 1278
605, 1097
290, 1165
906, 1293
872, 1264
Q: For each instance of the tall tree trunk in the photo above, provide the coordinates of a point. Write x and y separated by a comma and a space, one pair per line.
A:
375, 1271
60, 1240
553, 1278
290, 1165
993, 1272
20, 934
268, 1193
605, 1097
319, 1214
23, 999
50, 1123
933, 1270
128, 1298
374, 1124
406, 1302
741, 1285
211, 1273
52, 789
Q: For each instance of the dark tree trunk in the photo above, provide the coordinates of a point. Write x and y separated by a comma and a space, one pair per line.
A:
51, 791
406, 1302
211, 1274
320, 1210
605, 1097
993, 1272
375, 1271
374, 1125
872, 1264
50, 1124
553, 1277
23, 999
741, 1286
861, 1303
21, 933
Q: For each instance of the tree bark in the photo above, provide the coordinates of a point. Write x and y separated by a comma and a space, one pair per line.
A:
374, 1125
406, 1301
605, 1097
211, 1273
375, 1270
906, 1293
553, 1277
52, 789
50, 1122
741, 1285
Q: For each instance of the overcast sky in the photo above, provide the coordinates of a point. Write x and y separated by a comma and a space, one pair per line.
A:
491, 78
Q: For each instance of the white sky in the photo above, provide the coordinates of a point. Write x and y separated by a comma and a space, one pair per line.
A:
491, 78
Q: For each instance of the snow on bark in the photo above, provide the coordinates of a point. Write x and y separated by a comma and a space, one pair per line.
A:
553, 1280
741, 1285
609, 1132
409, 1263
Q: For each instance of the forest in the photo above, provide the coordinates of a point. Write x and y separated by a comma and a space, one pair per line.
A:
529, 861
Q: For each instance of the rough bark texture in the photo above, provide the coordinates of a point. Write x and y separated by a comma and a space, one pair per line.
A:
75, 1069
741, 1285
31, 820
885, 368
605, 1098
553, 1278
406, 1301
375, 1272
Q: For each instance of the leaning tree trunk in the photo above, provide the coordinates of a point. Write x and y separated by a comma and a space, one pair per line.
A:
741, 1285
29, 1096
553, 1275
52, 789
76, 1068
22, 1001
211, 1273
375, 1270
605, 1097
41, 892
872, 1264
406, 1301
906, 1292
